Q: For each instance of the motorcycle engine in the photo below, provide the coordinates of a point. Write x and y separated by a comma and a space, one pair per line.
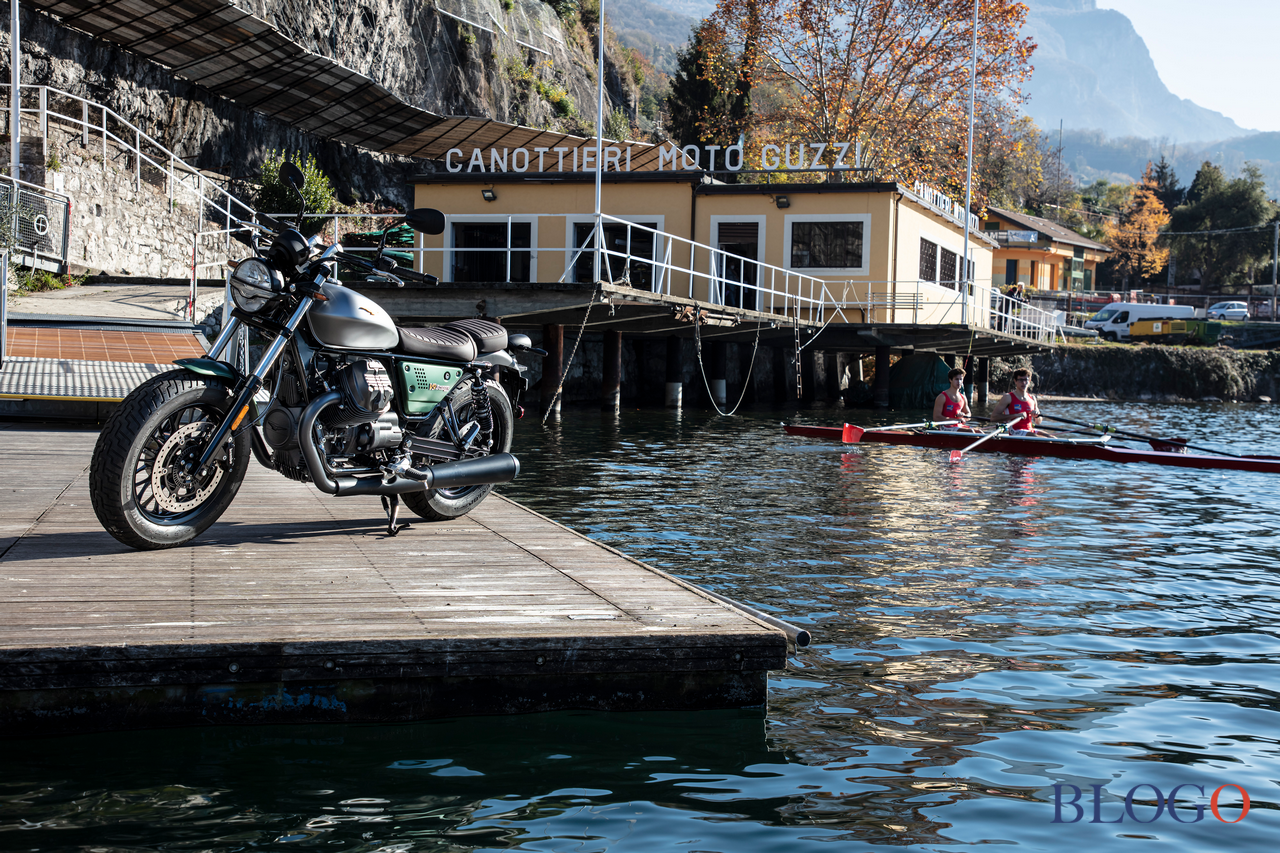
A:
366, 394
362, 422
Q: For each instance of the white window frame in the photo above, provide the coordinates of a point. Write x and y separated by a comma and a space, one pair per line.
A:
660, 225
943, 240
488, 219
715, 293
864, 218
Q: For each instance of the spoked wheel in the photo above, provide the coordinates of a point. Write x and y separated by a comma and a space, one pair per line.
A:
444, 504
142, 481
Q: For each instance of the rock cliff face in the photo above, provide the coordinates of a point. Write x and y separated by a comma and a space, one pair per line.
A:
520, 64
1157, 373
1093, 71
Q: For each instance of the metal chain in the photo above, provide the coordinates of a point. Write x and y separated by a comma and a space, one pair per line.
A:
569, 362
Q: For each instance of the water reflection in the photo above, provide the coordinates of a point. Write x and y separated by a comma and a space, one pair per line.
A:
985, 631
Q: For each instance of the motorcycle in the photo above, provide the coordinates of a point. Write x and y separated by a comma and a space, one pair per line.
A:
341, 398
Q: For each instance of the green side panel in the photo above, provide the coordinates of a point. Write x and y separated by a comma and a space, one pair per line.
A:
424, 385
209, 367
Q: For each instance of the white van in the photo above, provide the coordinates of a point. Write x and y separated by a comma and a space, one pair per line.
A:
1112, 322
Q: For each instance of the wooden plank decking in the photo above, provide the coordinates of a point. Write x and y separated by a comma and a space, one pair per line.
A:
297, 607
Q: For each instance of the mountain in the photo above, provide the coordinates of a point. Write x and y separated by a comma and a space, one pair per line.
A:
1093, 71
655, 29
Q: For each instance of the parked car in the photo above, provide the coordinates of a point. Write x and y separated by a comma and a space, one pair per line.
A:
1228, 311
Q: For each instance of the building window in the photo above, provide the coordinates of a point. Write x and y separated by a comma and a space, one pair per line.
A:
624, 247
991, 225
947, 268
928, 260
826, 245
482, 251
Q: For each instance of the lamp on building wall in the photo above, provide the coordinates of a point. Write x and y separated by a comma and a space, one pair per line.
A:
489, 195
782, 201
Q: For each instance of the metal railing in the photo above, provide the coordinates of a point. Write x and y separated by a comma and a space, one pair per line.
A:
4, 304
675, 266
151, 161
36, 221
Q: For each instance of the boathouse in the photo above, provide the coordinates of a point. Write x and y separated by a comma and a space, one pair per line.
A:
885, 252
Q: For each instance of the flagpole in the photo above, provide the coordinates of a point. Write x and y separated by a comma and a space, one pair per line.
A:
599, 230
968, 176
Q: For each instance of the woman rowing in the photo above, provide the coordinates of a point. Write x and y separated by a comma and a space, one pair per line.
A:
1018, 408
951, 404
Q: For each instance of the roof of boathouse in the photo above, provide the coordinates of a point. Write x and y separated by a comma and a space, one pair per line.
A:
234, 54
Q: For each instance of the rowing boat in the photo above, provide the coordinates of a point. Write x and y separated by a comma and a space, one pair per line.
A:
1081, 447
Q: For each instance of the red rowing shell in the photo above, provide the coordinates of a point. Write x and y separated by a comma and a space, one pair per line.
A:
1056, 448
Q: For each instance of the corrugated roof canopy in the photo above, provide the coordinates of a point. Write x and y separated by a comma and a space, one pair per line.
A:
241, 57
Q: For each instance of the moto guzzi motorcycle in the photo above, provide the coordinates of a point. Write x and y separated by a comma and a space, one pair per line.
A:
341, 398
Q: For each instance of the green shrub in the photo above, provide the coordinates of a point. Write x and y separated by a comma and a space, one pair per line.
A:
277, 197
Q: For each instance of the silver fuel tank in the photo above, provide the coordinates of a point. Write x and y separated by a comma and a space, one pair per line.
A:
351, 321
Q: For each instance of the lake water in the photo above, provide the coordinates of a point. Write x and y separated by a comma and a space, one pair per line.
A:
1007, 651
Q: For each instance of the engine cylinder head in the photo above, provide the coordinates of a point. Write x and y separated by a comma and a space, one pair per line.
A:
366, 394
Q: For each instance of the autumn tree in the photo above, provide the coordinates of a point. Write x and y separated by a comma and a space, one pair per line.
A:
892, 75
1220, 230
1135, 234
1008, 166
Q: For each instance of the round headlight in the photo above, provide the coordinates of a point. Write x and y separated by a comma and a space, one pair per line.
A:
253, 285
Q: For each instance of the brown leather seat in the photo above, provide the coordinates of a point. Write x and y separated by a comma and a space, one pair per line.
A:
438, 342
489, 336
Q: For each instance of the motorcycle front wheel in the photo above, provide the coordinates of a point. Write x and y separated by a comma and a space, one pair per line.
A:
139, 486
444, 504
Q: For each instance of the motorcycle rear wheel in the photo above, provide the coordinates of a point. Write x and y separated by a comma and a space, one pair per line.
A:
444, 504
138, 489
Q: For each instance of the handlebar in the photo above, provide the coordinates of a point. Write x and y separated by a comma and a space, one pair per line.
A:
396, 275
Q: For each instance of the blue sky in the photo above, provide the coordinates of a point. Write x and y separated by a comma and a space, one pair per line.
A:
1217, 53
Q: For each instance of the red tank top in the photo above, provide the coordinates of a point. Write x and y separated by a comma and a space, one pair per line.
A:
1023, 408
953, 409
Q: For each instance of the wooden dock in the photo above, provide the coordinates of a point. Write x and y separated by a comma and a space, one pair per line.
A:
297, 607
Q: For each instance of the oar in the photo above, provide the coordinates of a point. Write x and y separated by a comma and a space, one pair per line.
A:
957, 454
853, 434
1156, 442
1093, 433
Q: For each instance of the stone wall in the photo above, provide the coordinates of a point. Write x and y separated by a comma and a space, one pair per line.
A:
123, 224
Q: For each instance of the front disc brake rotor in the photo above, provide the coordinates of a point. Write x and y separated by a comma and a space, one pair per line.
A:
174, 489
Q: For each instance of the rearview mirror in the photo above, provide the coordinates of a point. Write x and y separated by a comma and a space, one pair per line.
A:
426, 220
292, 175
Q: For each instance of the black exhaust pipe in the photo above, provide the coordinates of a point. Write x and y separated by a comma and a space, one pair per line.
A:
483, 471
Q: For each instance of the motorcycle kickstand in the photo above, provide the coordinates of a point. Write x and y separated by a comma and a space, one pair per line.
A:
391, 503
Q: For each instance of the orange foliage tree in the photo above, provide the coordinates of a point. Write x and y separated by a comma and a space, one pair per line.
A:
892, 75
1135, 232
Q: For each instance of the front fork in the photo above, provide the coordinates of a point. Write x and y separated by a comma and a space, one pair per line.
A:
247, 387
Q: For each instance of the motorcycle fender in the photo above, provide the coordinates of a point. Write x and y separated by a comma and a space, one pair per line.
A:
515, 378
209, 367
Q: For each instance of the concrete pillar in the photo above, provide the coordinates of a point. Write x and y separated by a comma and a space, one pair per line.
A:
783, 365
831, 376
881, 387
808, 375
749, 360
675, 387
980, 384
717, 369
611, 383
552, 367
